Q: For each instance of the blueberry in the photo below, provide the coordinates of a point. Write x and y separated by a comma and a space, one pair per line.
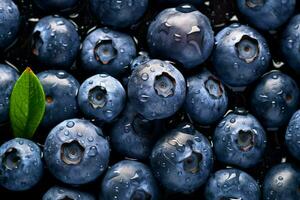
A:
119, 14
241, 55
182, 160
266, 15
156, 89
292, 135
142, 58
206, 100
178, 2
231, 184
8, 78
10, 22
62, 193
129, 180
239, 139
133, 136
183, 34
282, 182
290, 43
61, 91
55, 42
101, 97
76, 152
56, 5
107, 51
275, 99
21, 166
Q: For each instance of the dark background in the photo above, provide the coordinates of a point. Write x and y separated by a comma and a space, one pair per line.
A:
220, 13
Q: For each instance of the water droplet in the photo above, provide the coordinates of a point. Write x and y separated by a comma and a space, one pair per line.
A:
145, 76
92, 151
70, 124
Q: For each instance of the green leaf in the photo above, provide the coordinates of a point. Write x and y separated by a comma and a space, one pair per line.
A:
27, 105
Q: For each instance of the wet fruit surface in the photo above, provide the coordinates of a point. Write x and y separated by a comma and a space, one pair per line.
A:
221, 13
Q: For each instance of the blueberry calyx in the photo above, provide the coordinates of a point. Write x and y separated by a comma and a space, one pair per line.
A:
11, 159
247, 49
255, 3
72, 153
37, 42
105, 51
164, 85
49, 99
97, 97
191, 163
214, 87
245, 140
140, 195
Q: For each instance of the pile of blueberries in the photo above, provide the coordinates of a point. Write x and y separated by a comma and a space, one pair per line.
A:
154, 99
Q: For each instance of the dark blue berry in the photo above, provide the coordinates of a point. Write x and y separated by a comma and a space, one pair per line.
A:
182, 34
55, 42
21, 165
231, 184
129, 180
156, 89
117, 13
101, 97
8, 78
10, 21
241, 55
266, 14
239, 140
182, 160
76, 152
206, 100
133, 136
275, 99
61, 90
282, 182
107, 51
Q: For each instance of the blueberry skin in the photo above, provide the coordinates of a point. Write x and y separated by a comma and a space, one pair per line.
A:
275, 99
239, 140
10, 22
57, 193
290, 43
178, 2
292, 135
119, 14
282, 182
21, 165
182, 160
241, 55
156, 89
56, 5
128, 180
101, 97
76, 152
267, 14
55, 42
133, 130
61, 90
206, 100
231, 184
183, 34
142, 58
8, 78
107, 51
